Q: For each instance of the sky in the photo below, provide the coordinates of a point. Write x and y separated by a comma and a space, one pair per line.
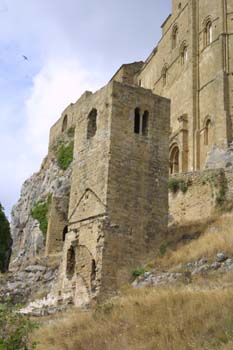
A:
69, 46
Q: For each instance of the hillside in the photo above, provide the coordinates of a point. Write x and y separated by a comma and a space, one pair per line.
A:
191, 313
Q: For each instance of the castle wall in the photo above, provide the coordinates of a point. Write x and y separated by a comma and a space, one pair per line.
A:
138, 163
207, 194
91, 156
67, 120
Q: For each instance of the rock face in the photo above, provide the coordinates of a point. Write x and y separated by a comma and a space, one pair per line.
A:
5, 241
30, 283
28, 239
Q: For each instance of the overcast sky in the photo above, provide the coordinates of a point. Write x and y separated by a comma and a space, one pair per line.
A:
71, 46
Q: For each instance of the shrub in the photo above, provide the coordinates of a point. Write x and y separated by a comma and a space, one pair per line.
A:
138, 272
65, 155
174, 185
5, 241
14, 329
40, 213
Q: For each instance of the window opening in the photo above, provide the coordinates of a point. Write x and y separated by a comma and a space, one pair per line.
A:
64, 123
137, 121
92, 123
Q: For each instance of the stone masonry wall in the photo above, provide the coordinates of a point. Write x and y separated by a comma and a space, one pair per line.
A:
199, 84
205, 195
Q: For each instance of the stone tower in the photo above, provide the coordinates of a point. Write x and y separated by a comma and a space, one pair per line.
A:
118, 201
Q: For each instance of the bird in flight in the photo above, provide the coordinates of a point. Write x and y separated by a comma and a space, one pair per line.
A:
25, 58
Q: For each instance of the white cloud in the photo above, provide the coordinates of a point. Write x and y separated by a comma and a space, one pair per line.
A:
60, 82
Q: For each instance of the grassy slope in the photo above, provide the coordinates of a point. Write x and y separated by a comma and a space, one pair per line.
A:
179, 318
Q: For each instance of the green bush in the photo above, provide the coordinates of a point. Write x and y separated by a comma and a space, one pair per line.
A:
40, 213
65, 155
175, 185
138, 272
5, 241
14, 329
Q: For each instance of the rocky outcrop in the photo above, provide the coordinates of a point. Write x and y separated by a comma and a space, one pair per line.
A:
32, 282
51, 180
185, 273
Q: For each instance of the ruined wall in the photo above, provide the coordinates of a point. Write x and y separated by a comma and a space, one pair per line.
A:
127, 72
201, 196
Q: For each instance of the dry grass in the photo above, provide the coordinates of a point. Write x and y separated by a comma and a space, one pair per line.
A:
178, 318
172, 319
218, 237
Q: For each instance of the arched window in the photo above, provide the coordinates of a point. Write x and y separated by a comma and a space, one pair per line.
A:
64, 123
137, 121
174, 36
207, 132
164, 75
184, 53
145, 121
92, 123
70, 263
65, 230
174, 160
208, 32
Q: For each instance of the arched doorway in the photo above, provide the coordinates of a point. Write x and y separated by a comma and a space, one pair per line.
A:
174, 159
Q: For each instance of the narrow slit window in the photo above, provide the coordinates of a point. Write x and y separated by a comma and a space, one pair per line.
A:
145, 121
64, 123
70, 264
93, 274
92, 123
208, 33
64, 233
137, 121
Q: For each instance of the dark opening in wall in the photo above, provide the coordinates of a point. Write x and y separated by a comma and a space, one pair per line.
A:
93, 274
174, 160
145, 121
64, 123
70, 263
92, 123
137, 121
64, 233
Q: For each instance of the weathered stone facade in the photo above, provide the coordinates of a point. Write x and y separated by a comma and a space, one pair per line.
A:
193, 66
